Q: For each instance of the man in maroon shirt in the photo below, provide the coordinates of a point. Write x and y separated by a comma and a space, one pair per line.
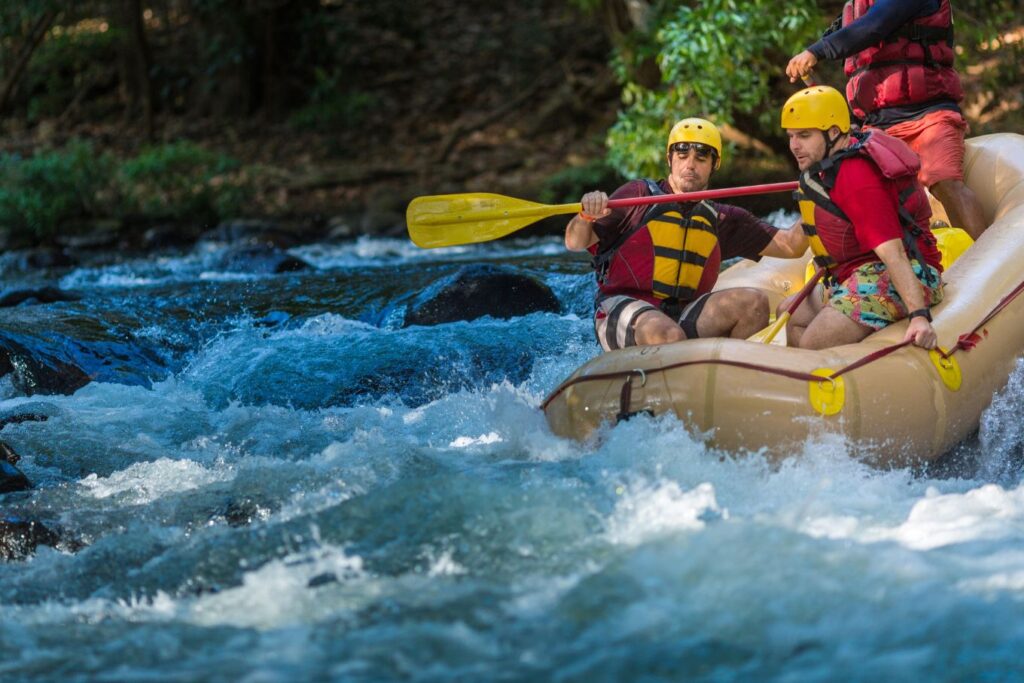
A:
656, 266
869, 227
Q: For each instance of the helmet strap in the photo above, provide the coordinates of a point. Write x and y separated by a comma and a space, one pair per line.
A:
830, 142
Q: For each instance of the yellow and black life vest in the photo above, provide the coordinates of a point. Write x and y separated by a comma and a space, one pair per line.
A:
822, 259
664, 257
682, 246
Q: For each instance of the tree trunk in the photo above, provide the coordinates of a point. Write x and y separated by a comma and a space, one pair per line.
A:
271, 91
620, 19
32, 41
137, 66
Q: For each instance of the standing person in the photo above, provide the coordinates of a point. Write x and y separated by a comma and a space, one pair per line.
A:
656, 265
866, 217
899, 62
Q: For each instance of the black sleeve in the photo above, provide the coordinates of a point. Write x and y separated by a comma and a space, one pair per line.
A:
741, 233
884, 17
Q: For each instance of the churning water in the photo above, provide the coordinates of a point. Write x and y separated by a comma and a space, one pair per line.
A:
272, 480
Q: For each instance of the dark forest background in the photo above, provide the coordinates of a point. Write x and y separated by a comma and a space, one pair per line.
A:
330, 115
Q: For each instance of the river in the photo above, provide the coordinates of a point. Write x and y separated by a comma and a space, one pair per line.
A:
272, 480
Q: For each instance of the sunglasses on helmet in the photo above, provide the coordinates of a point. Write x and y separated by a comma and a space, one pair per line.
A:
700, 149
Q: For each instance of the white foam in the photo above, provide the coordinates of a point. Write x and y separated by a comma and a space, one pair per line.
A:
982, 514
651, 511
145, 482
483, 439
278, 594
445, 565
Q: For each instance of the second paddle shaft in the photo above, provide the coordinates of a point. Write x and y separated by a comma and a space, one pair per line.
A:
703, 194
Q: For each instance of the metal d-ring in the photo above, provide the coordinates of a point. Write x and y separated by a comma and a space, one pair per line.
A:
643, 376
831, 380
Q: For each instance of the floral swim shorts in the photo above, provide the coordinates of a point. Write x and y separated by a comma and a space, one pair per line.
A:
868, 297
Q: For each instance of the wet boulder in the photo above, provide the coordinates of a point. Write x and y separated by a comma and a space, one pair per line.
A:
19, 538
45, 259
260, 259
168, 236
481, 290
35, 371
11, 478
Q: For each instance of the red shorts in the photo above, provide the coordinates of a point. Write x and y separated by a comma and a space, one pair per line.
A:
938, 138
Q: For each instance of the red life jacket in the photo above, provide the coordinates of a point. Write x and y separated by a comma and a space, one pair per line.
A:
828, 229
913, 65
669, 259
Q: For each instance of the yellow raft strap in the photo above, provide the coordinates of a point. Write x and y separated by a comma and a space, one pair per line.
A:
828, 394
949, 369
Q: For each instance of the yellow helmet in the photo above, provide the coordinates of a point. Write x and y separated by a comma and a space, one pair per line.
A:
697, 130
818, 107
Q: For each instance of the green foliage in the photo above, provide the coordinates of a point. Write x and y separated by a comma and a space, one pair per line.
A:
724, 59
43, 192
986, 29
182, 180
570, 184
716, 60
331, 107
16, 17
64, 63
586, 5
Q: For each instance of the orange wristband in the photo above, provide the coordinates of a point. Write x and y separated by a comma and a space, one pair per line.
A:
588, 218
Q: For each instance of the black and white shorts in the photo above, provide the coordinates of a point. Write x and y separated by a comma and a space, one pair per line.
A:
615, 319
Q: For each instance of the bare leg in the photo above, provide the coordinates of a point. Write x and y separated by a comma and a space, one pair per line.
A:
831, 328
802, 316
654, 327
961, 205
736, 313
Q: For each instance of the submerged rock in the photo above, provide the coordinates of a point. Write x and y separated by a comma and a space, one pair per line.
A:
253, 233
260, 259
26, 412
241, 512
481, 290
12, 479
40, 295
322, 580
8, 454
19, 538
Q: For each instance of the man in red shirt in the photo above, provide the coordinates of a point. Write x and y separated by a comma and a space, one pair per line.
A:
866, 218
656, 266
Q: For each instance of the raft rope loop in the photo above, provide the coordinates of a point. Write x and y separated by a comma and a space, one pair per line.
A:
626, 395
965, 342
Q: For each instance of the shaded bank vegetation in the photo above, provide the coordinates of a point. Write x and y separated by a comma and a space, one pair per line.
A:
122, 114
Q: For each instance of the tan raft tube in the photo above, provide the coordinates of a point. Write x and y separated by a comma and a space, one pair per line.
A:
904, 408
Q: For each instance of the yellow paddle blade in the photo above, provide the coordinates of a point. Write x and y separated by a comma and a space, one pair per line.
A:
446, 220
768, 335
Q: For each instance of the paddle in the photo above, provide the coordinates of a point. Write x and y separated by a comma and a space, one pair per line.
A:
766, 335
448, 220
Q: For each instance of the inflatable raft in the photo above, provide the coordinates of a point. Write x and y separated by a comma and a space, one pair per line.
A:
902, 404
